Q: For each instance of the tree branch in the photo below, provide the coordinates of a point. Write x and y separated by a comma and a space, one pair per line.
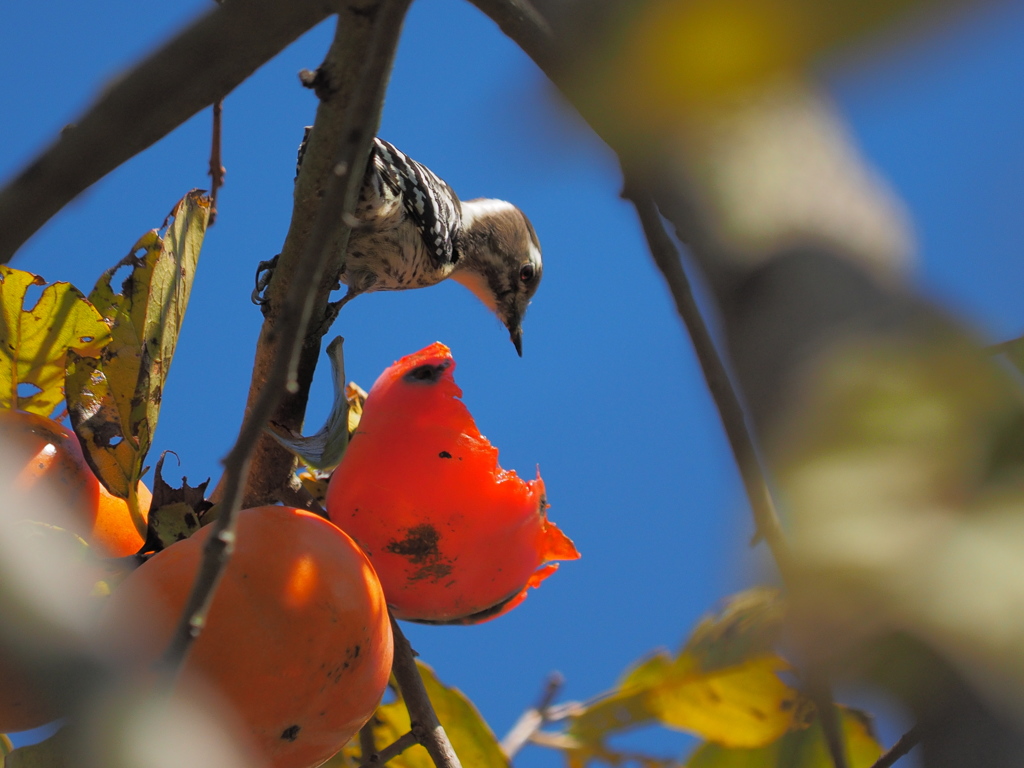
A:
289, 332
730, 410
421, 712
903, 745
524, 24
200, 65
393, 750
354, 53
532, 719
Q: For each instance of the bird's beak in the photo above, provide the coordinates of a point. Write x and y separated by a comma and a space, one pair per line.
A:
516, 334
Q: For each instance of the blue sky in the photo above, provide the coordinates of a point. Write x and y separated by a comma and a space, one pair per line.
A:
608, 399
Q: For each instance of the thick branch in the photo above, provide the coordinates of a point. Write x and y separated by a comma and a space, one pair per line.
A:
354, 54
421, 712
200, 65
289, 332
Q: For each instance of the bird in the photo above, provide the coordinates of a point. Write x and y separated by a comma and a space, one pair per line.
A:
410, 230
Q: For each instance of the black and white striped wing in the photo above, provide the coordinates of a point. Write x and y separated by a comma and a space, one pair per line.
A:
429, 201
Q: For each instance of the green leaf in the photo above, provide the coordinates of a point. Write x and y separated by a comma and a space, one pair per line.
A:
114, 399
323, 450
471, 737
805, 748
34, 342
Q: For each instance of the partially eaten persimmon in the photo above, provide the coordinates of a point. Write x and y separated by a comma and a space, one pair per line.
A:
452, 536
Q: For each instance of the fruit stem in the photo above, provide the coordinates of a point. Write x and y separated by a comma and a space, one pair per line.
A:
424, 720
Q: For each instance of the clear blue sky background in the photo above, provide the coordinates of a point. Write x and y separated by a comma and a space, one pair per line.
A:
608, 399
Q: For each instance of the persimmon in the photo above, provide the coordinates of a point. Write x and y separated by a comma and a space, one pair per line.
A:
23, 705
52, 455
452, 536
297, 640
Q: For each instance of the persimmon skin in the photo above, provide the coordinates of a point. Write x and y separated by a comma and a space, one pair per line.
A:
453, 537
21, 705
53, 456
298, 639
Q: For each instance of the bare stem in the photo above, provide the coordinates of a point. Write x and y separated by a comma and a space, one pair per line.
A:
198, 66
903, 745
421, 711
730, 410
216, 161
532, 719
291, 326
393, 750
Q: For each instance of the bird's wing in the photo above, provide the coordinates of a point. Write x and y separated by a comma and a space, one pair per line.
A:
427, 198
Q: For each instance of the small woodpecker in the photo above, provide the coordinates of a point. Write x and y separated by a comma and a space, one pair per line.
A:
411, 231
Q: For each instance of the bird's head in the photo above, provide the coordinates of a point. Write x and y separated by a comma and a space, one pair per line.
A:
501, 261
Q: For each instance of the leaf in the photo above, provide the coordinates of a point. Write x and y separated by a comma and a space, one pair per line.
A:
745, 705
114, 399
34, 342
175, 513
805, 748
49, 753
323, 450
471, 737
724, 686
5, 746
748, 625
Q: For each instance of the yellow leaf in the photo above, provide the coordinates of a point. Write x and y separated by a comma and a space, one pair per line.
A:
653, 65
114, 400
804, 748
5, 746
34, 342
724, 686
471, 737
745, 705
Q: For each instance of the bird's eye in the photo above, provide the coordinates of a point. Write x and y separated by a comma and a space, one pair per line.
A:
526, 273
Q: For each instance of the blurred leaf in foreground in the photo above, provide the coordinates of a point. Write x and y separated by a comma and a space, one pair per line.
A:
724, 686
804, 748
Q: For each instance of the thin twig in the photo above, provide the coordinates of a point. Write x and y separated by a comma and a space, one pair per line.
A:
198, 66
217, 169
393, 750
730, 410
734, 421
532, 719
339, 199
903, 745
367, 747
421, 711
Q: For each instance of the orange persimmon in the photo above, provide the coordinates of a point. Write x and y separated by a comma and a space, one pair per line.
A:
53, 456
297, 640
